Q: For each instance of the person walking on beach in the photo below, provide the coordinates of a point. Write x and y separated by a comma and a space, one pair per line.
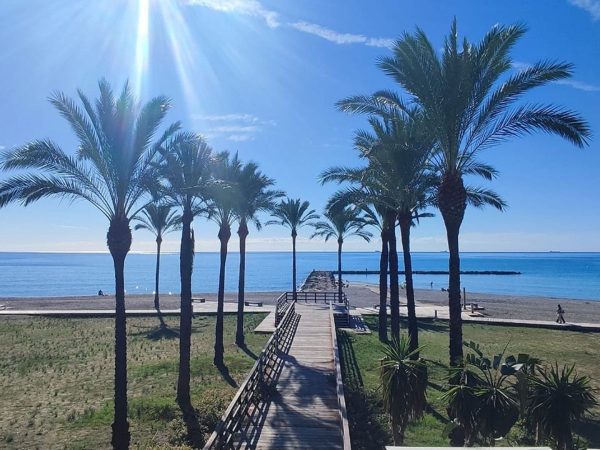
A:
560, 314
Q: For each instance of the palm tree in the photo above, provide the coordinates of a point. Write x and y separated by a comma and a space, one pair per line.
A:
557, 399
224, 198
376, 216
399, 181
293, 214
160, 219
403, 382
470, 104
398, 151
113, 171
185, 165
342, 223
253, 197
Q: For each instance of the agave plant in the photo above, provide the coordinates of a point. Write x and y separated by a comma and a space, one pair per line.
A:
557, 399
482, 399
403, 383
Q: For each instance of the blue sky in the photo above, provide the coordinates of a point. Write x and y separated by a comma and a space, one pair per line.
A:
262, 77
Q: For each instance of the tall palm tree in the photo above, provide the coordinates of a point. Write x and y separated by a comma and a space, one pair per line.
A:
160, 219
403, 382
470, 103
557, 399
224, 198
113, 171
293, 214
399, 150
342, 223
254, 196
185, 165
376, 215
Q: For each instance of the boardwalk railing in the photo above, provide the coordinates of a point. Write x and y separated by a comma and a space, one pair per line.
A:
256, 388
339, 384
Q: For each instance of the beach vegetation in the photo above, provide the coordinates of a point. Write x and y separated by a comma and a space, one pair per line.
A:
558, 398
160, 219
113, 171
293, 214
403, 384
342, 222
370, 426
469, 95
254, 197
223, 199
185, 167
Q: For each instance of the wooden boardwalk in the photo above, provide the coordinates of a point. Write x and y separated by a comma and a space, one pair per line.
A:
305, 412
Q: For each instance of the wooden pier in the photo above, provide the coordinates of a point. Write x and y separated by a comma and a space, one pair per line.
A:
305, 411
294, 397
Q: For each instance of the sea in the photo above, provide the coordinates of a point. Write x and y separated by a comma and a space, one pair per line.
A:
559, 275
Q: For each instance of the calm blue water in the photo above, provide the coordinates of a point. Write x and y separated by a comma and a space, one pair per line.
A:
569, 275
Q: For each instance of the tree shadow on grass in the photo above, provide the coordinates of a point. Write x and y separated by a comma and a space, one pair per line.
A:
226, 375
248, 352
194, 435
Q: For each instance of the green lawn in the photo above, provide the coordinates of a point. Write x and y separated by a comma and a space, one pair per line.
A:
360, 354
56, 377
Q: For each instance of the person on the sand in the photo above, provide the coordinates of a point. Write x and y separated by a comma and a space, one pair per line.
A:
100, 293
560, 314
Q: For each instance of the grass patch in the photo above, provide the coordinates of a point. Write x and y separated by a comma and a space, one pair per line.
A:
360, 354
56, 377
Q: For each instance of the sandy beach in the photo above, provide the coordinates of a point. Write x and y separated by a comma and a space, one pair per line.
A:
359, 294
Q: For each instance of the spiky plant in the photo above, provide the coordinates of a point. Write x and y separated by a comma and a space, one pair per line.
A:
403, 383
558, 398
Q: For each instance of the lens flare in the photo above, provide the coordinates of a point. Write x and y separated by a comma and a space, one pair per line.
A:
141, 45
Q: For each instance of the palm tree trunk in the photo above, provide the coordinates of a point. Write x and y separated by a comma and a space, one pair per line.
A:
394, 288
294, 234
156, 283
452, 202
239, 334
383, 273
413, 331
397, 432
340, 243
224, 235
186, 265
119, 243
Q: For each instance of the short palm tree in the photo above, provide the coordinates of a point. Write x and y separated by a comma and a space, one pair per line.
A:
185, 166
557, 399
470, 104
342, 223
254, 197
113, 171
293, 214
160, 219
403, 383
223, 200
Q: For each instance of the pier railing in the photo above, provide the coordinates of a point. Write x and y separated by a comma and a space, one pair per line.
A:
239, 421
287, 298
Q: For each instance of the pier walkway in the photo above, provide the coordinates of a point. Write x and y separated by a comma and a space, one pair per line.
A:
304, 412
